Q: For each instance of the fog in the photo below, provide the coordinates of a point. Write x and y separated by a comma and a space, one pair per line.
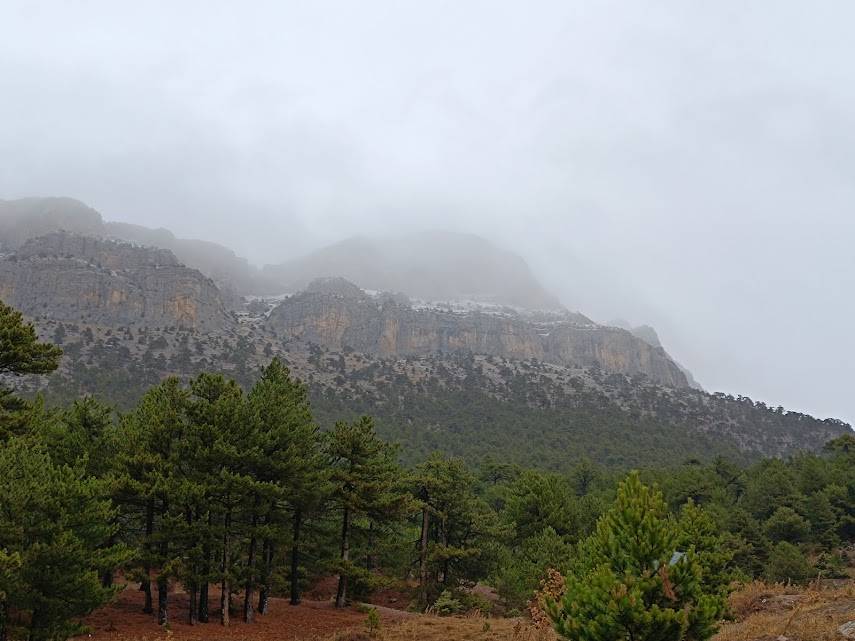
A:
683, 164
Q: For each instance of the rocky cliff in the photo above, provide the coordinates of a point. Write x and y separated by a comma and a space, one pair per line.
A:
78, 278
347, 318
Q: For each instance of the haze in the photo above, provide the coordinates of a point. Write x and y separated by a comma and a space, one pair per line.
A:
684, 164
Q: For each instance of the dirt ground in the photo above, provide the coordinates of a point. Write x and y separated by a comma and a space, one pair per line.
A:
762, 613
313, 619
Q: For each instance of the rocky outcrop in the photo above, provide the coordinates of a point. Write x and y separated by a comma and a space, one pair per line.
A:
384, 327
82, 279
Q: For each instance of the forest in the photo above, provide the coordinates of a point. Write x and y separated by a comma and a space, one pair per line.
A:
239, 493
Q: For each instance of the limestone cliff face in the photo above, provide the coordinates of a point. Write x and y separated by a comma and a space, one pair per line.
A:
82, 279
384, 327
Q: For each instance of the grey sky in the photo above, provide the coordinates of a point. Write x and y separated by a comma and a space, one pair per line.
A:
684, 164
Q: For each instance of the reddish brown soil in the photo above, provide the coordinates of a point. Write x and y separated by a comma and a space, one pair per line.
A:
124, 620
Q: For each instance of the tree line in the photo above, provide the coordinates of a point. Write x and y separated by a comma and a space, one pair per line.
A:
239, 495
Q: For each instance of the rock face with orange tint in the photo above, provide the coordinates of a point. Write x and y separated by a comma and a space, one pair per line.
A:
339, 316
88, 280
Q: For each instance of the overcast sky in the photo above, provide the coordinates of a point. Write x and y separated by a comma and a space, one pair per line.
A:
686, 164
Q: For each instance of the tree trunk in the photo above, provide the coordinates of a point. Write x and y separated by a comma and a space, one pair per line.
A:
248, 611
206, 571
295, 559
107, 575
266, 567
341, 593
3, 616
162, 581
145, 586
34, 623
225, 594
193, 615
369, 555
423, 546
445, 544
193, 587
203, 603
162, 600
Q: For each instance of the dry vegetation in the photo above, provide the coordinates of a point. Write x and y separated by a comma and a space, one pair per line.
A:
768, 611
763, 613
467, 628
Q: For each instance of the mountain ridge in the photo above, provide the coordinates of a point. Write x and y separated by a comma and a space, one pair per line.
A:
438, 392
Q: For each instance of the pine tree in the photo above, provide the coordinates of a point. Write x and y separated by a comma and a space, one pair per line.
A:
280, 461
217, 425
20, 350
148, 467
21, 353
456, 526
630, 580
221, 405
713, 550
53, 527
366, 481
536, 501
290, 471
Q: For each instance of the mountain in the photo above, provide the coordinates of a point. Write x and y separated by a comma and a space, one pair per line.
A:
344, 317
536, 388
470, 367
529, 412
432, 266
70, 277
26, 218
649, 336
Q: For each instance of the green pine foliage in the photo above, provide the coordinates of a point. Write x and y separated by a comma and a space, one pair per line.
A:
787, 564
366, 483
458, 530
54, 529
632, 580
20, 350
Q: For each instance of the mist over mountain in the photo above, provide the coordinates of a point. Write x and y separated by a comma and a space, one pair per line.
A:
432, 265
26, 218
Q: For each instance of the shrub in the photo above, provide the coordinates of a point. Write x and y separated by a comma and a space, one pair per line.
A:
787, 564
446, 604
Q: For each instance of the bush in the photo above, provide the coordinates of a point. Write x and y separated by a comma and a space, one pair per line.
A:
471, 601
832, 566
787, 564
446, 605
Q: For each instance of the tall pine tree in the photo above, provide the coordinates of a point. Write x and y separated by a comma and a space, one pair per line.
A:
366, 481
